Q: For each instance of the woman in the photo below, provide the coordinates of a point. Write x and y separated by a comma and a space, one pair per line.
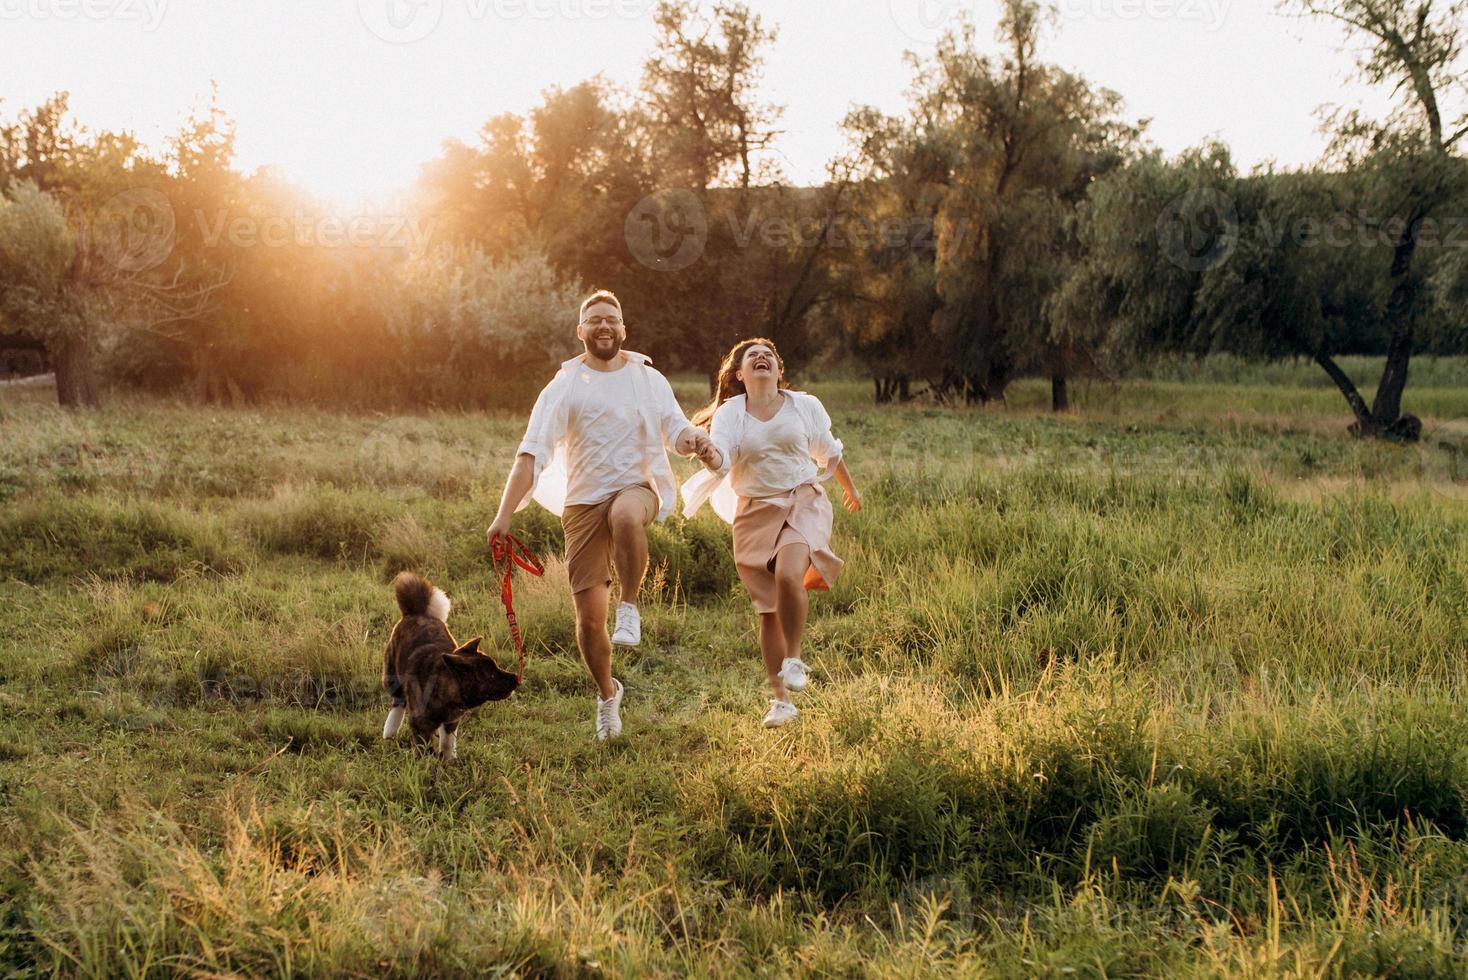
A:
767, 442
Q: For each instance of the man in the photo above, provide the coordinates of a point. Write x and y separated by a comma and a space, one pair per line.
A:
594, 454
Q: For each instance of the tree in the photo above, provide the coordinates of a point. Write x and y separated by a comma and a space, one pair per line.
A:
469, 329
700, 92
42, 298
996, 154
1187, 256
1410, 164
888, 296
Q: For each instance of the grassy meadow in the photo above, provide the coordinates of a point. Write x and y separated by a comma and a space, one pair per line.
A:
1170, 685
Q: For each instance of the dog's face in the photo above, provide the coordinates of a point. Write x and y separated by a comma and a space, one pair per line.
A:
480, 678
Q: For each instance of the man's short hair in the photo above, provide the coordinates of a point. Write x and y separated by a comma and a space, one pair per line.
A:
600, 296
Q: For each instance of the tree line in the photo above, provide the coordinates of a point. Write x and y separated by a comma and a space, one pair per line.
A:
1011, 221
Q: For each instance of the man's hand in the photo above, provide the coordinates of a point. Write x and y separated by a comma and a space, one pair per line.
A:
691, 442
500, 529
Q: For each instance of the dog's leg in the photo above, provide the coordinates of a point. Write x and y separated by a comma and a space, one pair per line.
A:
448, 741
394, 720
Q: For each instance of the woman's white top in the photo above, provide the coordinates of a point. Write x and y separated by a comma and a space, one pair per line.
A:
763, 459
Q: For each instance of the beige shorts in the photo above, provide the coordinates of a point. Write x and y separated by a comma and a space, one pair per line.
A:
589, 536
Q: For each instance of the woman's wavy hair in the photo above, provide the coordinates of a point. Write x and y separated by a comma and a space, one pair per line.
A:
728, 385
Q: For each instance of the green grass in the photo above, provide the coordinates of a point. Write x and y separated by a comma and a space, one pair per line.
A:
1169, 686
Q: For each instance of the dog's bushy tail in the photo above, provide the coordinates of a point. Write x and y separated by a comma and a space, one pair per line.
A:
416, 597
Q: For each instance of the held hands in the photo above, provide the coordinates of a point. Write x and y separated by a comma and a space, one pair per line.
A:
711, 456
699, 444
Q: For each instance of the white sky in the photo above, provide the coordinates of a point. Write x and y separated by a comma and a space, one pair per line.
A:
351, 116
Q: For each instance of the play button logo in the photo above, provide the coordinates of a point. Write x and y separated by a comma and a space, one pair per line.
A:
401, 21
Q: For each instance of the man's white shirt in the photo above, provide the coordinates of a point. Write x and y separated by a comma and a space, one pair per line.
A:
594, 433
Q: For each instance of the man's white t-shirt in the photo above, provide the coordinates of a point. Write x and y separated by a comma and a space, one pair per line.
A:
595, 433
606, 440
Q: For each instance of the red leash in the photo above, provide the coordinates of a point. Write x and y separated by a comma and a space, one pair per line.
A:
509, 551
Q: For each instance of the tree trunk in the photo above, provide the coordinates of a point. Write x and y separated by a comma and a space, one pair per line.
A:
1386, 409
75, 387
1364, 424
1062, 361
1059, 393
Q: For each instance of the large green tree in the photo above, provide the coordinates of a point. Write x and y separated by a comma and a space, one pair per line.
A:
1410, 165
1187, 256
996, 152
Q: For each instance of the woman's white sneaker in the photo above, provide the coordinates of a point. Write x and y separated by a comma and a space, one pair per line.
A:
629, 626
780, 712
793, 672
609, 714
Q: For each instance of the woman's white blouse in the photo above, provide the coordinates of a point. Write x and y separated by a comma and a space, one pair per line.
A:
762, 459
774, 455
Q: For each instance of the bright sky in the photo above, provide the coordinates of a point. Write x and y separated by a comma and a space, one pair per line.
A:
349, 97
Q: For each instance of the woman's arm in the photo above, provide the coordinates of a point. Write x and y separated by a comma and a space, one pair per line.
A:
720, 454
843, 477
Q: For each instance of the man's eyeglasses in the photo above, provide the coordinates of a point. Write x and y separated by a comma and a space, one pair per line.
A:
596, 321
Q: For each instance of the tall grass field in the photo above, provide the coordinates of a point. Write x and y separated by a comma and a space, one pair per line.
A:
1169, 685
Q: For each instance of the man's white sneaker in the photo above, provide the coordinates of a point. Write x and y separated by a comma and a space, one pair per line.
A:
780, 712
629, 626
609, 714
793, 673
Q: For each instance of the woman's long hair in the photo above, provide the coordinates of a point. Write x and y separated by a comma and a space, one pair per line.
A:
728, 386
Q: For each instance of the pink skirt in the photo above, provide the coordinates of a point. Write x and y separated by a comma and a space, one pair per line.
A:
764, 525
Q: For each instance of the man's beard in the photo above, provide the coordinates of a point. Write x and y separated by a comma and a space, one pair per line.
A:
592, 348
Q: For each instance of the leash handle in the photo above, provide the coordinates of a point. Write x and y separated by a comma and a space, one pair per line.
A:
508, 550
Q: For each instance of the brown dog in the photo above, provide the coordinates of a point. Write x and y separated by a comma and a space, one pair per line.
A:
430, 677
